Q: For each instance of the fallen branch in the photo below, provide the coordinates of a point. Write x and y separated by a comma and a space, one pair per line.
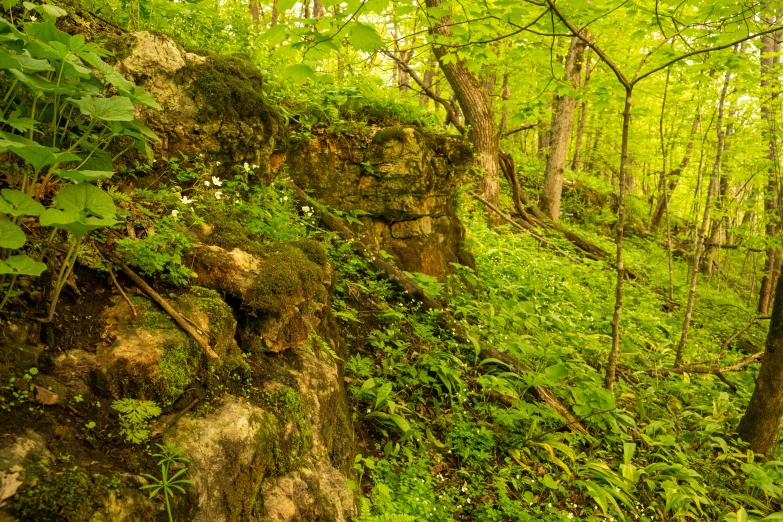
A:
178, 318
403, 283
709, 370
736, 334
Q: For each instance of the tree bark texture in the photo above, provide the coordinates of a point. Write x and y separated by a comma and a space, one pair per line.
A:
474, 102
761, 422
576, 162
561, 134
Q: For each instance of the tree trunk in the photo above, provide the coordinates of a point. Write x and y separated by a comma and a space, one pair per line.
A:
768, 61
761, 422
561, 134
674, 177
576, 162
699, 239
473, 101
275, 14
611, 366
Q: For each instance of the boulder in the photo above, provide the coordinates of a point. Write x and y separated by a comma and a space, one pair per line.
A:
283, 288
149, 356
282, 455
212, 106
12, 461
405, 181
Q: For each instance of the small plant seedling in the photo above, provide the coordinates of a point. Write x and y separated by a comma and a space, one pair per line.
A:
170, 455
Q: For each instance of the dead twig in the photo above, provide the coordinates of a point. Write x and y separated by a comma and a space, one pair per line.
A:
178, 318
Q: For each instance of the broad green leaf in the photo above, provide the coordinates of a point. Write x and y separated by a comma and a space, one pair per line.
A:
11, 236
37, 155
82, 176
116, 108
80, 209
22, 265
39, 84
16, 203
365, 38
300, 73
47, 32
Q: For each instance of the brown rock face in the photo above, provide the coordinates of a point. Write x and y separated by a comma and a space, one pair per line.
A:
404, 180
212, 106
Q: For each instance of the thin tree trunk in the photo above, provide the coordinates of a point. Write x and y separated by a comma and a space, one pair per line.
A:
664, 153
713, 186
561, 134
576, 162
674, 176
275, 14
768, 61
761, 422
611, 367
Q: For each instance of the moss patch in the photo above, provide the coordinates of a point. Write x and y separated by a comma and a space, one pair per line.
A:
230, 87
393, 133
286, 430
288, 277
72, 496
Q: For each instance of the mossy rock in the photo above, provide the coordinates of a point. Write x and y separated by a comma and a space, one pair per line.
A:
76, 495
151, 357
229, 87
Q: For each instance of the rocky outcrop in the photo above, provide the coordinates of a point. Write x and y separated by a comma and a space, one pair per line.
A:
211, 106
282, 454
404, 181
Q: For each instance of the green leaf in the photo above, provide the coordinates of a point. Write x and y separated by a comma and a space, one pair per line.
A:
300, 73
22, 265
116, 108
83, 176
11, 236
54, 12
37, 155
47, 32
365, 38
16, 203
80, 209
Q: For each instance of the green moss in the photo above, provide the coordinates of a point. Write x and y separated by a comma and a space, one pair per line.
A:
287, 277
230, 87
314, 251
180, 358
118, 45
221, 318
286, 430
385, 135
72, 496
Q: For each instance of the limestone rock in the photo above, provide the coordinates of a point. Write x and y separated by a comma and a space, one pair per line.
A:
283, 455
12, 458
283, 287
150, 356
405, 181
212, 106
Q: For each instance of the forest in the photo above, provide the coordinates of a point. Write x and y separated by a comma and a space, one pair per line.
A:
391, 260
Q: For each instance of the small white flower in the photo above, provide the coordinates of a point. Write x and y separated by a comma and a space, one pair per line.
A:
369, 410
33, 18
305, 209
255, 166
570, 516
200, 155
218, 195
174, 213
246, 166
217, 163
206, 183
285, 198
216, 181
186, 200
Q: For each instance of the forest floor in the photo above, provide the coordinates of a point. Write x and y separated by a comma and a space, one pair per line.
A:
457, 438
